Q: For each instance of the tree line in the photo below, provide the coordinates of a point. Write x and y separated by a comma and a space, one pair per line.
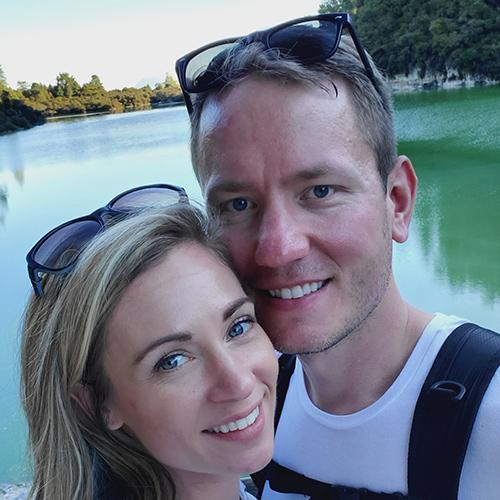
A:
439, 38
30, 105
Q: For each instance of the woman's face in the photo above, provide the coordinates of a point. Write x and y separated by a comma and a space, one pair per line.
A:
192, 374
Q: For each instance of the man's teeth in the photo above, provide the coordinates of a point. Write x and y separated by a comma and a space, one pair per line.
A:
238, 425
297, 291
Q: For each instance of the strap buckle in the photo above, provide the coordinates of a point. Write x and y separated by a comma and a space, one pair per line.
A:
449, 389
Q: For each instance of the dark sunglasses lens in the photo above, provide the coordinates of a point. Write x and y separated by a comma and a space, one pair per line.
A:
202, 70
307, 41
148, 197
61, 248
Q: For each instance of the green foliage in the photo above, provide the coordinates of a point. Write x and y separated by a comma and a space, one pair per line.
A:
350, 6
66, 86
431, 37
22, 86
166, 93
133, 99
3, 79
15, 115
26, 105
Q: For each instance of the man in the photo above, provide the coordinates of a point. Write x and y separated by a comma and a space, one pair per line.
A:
293, 145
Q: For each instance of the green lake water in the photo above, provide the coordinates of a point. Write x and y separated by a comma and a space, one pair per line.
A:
65, 169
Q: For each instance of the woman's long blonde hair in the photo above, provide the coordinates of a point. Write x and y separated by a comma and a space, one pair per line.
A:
62, 348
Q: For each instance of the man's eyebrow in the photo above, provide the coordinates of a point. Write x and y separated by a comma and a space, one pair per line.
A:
235, 186
174, 337
234, 306
226, 186
310, 173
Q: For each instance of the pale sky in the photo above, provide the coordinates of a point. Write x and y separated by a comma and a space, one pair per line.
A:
123, 41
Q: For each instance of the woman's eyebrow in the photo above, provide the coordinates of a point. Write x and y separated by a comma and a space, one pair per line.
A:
185, 337
179, 337
234, 306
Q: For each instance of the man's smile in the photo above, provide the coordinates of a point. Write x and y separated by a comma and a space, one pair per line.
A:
297, 291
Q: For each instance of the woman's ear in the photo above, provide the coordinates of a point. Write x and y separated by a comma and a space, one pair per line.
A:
401, 193
112, 417
84, 396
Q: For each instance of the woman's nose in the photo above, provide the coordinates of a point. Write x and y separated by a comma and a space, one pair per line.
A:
232, 379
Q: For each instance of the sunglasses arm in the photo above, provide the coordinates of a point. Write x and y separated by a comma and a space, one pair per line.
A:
362, 54
36, 282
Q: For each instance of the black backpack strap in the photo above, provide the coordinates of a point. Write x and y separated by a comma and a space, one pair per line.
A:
286, 480
446, 410
286, 367
286, 364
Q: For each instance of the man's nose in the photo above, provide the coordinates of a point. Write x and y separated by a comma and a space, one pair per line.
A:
281, 238
232, 379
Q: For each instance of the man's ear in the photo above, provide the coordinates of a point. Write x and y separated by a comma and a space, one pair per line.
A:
84, 396
401, 192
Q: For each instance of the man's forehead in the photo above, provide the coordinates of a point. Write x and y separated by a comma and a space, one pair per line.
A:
243, 115
211, 117
255, 93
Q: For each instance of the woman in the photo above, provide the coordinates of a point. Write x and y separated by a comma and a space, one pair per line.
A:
144, 373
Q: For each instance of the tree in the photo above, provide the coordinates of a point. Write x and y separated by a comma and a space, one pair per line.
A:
66, 86
39, 97
95, 86
350, 6
435, 38
15, 115
3, 79
22, 86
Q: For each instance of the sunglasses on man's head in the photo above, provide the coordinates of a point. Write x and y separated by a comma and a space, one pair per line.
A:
307, 40
58, 250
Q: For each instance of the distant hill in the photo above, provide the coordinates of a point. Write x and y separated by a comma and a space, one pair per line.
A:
151, 81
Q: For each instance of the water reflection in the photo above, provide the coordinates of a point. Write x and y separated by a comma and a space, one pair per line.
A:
86, 139
458, 215
453, 141
3, 203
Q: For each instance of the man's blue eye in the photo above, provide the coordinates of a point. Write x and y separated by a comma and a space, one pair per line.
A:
171, 362
321, 191
239, 204
240, 328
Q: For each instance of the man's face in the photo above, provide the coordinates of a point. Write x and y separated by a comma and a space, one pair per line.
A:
305, 215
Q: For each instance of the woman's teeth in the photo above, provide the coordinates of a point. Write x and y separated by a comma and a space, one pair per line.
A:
239, 424
297, 291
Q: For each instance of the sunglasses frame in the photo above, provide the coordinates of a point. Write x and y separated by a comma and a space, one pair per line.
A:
35, 268
342, 19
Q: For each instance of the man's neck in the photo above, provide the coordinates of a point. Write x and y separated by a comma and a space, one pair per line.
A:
358, 371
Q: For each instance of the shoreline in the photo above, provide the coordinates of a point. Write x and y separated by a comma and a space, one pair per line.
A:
100, 113
402, 84
399, 84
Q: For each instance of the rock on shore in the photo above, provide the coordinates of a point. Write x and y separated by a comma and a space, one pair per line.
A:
13, 491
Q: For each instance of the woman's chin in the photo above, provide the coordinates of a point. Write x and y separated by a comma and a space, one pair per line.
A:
258, 460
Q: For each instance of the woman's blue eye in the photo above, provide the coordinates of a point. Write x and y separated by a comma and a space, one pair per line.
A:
321, 191
171, 362
240, 328
239, 204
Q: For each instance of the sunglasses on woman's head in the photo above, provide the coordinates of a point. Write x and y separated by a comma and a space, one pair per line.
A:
307, 40
58, 250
